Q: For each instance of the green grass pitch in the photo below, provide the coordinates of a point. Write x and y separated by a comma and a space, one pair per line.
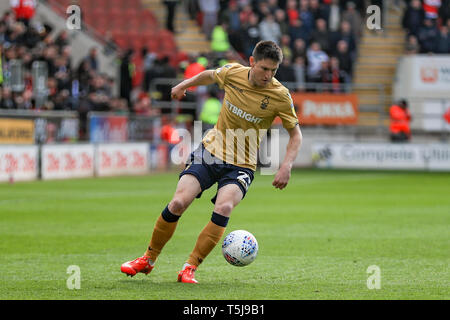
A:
317, 238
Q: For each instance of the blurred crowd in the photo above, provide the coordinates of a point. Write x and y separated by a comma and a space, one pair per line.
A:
80, 87
427, 23
319, 39
68, 87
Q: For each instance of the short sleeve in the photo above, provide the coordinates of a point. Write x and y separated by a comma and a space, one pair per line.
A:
220, 74
287, 112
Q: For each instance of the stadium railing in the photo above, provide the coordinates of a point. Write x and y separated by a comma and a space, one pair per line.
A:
48, 126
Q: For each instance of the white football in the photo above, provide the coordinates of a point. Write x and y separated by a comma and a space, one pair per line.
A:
240, 248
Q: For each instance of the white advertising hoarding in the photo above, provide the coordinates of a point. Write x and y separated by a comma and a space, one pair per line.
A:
431, 73
382, 156
67, 161
122, 159
18, 163
435, 115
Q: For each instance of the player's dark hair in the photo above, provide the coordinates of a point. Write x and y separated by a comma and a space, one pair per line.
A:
267, 50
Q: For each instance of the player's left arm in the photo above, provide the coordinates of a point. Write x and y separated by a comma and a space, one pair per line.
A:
284, 173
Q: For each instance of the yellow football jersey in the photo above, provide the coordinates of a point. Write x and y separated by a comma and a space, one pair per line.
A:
246, 115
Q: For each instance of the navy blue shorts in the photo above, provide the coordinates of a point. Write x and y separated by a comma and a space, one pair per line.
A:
208, 170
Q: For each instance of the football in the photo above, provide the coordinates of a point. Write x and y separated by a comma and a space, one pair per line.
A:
240, 248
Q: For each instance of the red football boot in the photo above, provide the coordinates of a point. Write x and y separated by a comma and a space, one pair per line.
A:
140, 264
187, 275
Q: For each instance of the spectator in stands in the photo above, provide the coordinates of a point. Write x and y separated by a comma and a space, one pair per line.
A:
62, 100
285, 45
334, 16
92, 59
262, 10
324, 75
7, 99
297, 30
273, 6
164, 70
209, 9
412, 45
16, 34
285, 73
345, 33
299, 72
231, 16
345, 59
443, 40
83, 75
306, 16
193, 68
400, 122
299, 49
251, 35
63, 74
280, 18
110, 44
62, 39
315, 57
169, 133
245, 14
126, 71
171, 6
147, 65
220, 43
270, 29
210, 110
337, 76
317, 10
354, 18
2, 32
444, 12
413, 17
428, 35
292, 11
321, 35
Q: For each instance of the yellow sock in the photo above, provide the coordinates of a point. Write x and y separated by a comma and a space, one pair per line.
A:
207, 240
164, 228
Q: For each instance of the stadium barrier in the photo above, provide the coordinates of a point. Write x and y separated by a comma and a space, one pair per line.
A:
67, 161
113, 127
122, 159
19, 163
35, 126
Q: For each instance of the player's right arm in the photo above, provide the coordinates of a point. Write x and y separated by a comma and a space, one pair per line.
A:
204, 78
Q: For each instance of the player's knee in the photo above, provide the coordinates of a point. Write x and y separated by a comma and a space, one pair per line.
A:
224, 208
178, 205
